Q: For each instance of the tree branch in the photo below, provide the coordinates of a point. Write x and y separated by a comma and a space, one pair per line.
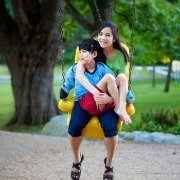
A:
21, 18
48, 22
8, 29
31, 8
75, 13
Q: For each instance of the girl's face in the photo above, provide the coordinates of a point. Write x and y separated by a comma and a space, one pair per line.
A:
105, 37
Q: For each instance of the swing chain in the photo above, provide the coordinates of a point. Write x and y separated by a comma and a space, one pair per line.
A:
99, 15
62, 51
97, 9
131, 50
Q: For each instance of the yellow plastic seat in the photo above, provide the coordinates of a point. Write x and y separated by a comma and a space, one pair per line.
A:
93, 128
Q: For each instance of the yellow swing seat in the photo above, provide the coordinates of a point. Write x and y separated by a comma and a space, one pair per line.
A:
93, 128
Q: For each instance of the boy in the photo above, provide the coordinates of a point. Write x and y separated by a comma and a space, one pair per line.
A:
85, 106
97, 73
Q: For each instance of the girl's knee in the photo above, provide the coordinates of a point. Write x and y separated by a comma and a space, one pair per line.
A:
109, 77
121, 77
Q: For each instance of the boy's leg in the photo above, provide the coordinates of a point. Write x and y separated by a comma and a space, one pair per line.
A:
111, 137
79, 119
108, 84
122, 84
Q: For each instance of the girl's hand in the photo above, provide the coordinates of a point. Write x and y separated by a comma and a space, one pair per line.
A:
102, 98
100, 106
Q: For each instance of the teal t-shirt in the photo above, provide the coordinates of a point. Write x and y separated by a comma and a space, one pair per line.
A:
117, 63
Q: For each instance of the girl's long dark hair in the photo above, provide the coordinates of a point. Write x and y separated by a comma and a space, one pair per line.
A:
118, 42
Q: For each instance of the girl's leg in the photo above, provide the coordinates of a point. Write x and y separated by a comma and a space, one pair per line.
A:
108, 84
122, 84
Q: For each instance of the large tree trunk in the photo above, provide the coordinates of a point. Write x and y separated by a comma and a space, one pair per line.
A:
29, 42
32, 84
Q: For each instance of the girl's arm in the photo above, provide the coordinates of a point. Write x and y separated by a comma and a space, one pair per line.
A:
83, 80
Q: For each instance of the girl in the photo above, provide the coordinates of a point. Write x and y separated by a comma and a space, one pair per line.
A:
116, 55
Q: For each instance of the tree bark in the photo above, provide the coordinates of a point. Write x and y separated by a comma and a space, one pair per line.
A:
30, 48
32, 84
168, 77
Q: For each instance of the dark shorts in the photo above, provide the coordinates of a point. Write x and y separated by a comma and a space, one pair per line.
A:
81, 117
88, 103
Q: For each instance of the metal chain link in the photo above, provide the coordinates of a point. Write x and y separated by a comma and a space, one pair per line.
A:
97, 9
131, 50
62, 51
110, 11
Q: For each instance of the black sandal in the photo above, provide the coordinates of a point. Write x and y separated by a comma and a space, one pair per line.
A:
76, 175
108, 169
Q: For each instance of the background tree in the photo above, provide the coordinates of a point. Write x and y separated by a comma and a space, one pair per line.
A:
29, 39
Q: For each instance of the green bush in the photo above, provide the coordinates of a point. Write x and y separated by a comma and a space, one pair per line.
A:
161, 120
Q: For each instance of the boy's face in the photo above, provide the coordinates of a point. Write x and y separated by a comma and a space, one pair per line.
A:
86, 57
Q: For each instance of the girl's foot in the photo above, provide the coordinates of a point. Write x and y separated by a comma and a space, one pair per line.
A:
123, 115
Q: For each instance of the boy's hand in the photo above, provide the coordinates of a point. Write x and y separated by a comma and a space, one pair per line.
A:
63, 94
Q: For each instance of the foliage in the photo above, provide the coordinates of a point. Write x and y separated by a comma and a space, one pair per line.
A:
161, 120
156, 27
159, 22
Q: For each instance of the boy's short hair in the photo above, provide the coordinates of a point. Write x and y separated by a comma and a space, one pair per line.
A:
89, 45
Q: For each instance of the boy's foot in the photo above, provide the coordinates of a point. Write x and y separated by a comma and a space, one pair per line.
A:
123, 115
76, 169
108, 173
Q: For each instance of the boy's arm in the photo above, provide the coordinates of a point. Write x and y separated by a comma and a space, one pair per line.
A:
68, 84
63, 94
83, 80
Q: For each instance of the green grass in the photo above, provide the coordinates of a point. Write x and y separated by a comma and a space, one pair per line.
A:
6, 103
146, 98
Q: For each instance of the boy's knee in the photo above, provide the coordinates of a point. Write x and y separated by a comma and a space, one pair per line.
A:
110, 133
74, 132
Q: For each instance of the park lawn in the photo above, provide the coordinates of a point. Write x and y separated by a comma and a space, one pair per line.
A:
148, 97
6, 103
